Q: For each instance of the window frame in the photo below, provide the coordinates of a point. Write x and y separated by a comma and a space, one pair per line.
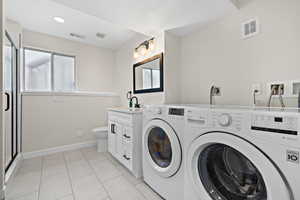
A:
52, 53
159, 57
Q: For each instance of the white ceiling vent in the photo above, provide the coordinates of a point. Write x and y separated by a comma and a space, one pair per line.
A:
100, 35
78, 36
250, 28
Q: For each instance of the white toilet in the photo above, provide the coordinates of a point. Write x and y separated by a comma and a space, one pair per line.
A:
101, 134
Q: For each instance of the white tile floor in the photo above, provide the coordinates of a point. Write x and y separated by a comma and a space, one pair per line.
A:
76, 175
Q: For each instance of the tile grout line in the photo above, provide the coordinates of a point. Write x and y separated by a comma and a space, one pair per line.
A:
94, 172
122, 175
69, 176
135, 186
140, 192
41, 176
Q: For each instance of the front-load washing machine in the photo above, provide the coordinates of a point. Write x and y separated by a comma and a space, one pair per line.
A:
242, 154
163, 129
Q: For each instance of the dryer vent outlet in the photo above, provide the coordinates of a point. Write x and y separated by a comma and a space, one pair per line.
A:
278, 89
250, 28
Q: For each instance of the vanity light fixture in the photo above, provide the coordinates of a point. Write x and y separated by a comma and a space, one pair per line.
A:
144, 48
136, 53
151, 44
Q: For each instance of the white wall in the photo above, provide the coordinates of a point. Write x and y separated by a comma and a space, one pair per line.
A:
217, 55
172, 69
94, 65
123, 74
50, 120
14, 30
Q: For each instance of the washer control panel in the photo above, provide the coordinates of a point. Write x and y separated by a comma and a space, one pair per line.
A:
197, 118
154, 110
226, 120
275, 124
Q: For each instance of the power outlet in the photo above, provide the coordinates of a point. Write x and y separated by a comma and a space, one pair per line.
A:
277, 89
257, 88
216, 91
79, 133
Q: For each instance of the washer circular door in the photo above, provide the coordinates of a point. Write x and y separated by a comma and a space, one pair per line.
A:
162, 148
225, 167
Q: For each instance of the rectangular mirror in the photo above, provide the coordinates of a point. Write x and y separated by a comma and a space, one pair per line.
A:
148, 75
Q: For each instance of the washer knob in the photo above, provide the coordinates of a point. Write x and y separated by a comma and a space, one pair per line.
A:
225, 120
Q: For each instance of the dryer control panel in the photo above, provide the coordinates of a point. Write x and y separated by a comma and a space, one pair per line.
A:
176, 111
198, 118
275, 124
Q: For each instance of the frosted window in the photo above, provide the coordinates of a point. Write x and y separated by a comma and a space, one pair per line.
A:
156, 78
151, 78
63, 68
48, 71
37, 70
147, 80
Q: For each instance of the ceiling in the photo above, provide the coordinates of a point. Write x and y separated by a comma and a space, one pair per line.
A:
120, 20
151, 17
37, 15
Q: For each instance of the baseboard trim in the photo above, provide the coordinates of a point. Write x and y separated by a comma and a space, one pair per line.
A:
59, 149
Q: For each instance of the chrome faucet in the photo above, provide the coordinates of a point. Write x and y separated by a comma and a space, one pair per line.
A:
136, 105
276, 90
213, 92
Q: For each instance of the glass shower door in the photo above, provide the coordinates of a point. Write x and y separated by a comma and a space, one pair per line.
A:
10, 66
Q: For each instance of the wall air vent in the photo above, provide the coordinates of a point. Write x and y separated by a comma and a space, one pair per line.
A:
250, 28
75, 35
100, 35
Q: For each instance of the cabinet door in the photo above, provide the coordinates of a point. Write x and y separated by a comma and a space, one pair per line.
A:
127, 133
127, 146
112, 136
119, 142
127, 154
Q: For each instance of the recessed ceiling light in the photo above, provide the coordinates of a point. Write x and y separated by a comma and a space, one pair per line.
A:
59, 20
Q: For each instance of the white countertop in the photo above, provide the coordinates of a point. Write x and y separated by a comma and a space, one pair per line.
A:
127, 110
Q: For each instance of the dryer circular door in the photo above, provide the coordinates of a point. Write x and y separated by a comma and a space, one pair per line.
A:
222, 166
162, 148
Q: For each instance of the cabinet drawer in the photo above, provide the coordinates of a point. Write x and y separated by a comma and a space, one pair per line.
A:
123, 118
127, 157
127, 133
129, 149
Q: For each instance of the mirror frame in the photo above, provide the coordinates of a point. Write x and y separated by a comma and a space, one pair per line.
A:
161, 68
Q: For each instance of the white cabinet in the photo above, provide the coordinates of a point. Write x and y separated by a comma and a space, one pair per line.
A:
125, 138
111, 137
